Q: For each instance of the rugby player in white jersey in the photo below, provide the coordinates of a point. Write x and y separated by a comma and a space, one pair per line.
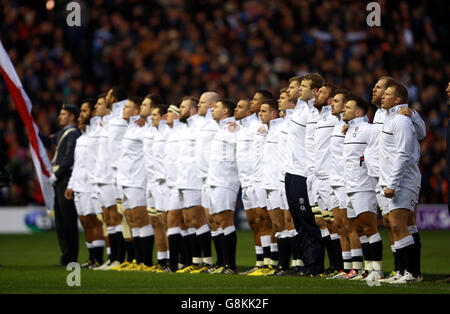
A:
146, 110
352, 255
160, 190
117, 126
399, 153
267, 236
286, 108
174, 213
189, 184
224, 181
360, 186
419, 125
273, 183
248, 124
131, 176
295, 178
80, 190
205, 136
103, 178
321, 157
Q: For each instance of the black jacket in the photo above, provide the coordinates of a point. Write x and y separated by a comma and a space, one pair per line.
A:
63, 159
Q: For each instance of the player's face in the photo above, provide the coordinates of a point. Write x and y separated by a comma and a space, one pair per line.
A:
306, 93
203, 105
156, 117
64, 118
185, 109
218, 111
242, 109
171, 116
129, 110
293, 91
337, 105
146, 108
100, 107
85, 113
349, 111
378, 91
266, 113
388, 100
322, 96
256, 102
283, 102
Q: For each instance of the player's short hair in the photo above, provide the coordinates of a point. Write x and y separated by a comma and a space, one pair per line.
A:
283, 90
265, 93
193, 101
119, 92
360, 103
388, 80
155, 99
101, 95
342, 91
316, 80
90, 102
331, 86
272, 104
400, 91
162, 108
135, 100
229, 104
297, 79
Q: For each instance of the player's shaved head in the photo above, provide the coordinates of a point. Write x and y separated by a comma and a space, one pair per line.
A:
210, 97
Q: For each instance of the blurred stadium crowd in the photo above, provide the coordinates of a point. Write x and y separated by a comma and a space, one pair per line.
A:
177, 48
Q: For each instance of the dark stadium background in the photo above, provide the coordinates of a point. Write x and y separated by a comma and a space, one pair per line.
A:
177, 48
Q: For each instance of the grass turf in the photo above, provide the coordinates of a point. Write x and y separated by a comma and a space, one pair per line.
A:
27, 268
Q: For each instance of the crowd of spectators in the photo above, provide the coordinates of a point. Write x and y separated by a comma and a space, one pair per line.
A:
185, 47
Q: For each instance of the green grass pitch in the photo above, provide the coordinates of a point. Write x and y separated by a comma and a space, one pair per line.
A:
27, 268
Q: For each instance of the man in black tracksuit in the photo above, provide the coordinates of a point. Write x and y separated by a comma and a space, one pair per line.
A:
62, 163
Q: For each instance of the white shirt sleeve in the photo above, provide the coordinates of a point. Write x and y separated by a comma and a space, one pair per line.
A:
419, 125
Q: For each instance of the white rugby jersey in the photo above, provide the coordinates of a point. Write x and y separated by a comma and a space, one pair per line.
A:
149, 135
310, 130
245, 153
188, 170
204, 139
399, 152
258, 154
273, 157
283, 140
103, 170
78, 181
92, 146
171, 152
222, 171
378, 121
296, 158
321, 143
131, 170
116, 129
158, 150
359, 136
336, 168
